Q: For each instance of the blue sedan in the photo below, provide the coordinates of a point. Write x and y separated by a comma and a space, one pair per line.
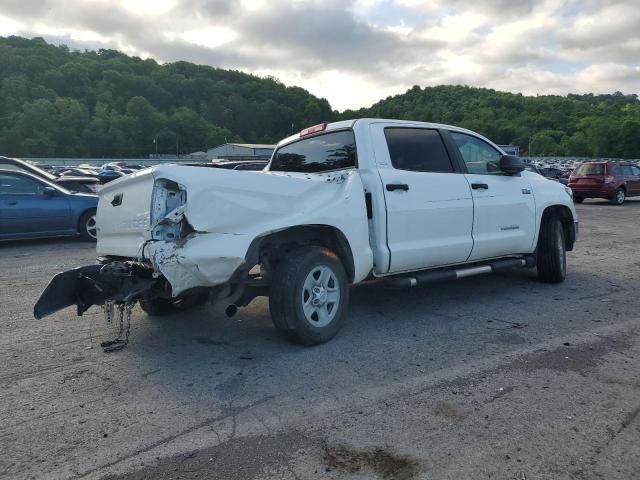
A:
32, 207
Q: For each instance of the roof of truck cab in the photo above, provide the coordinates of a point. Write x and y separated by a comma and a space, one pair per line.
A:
409, 123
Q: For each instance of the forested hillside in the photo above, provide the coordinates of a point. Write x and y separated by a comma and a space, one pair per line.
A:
57, 102
576, 125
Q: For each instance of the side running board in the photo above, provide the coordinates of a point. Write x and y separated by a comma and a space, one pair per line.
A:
430, 276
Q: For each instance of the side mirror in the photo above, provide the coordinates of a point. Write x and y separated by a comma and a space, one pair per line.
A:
50, 191
511, 165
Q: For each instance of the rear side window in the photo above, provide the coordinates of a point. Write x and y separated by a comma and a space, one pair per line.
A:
590, 169
331, 151
417, 149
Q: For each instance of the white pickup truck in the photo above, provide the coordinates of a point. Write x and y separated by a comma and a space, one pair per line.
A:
338, 204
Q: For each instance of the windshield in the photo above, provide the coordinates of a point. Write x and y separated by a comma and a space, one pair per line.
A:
22, 166
590, 169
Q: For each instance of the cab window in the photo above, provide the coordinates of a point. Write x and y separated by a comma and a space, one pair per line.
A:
480, 157
320, 153
417, 149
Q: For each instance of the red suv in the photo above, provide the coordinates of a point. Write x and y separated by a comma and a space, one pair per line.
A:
614, 181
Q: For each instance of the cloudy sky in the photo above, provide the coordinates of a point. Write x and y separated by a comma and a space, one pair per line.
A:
355, 52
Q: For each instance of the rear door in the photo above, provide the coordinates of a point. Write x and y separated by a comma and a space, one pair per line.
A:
25, 209
428, 205
504, 206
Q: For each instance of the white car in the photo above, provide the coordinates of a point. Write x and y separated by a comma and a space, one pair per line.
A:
338, 204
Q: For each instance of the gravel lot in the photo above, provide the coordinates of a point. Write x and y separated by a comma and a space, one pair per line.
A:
488, 377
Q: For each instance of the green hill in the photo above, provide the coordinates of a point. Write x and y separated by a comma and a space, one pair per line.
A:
57, 102
575, 125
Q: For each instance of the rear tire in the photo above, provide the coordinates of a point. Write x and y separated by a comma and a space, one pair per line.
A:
619, 197
309, 295
87, 226
552, 254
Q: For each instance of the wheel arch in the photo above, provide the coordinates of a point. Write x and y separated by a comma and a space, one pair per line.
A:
274, 245
565, 215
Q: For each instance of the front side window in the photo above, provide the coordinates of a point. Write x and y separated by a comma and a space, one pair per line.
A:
321, 153
480, 157
417, 149
19, 185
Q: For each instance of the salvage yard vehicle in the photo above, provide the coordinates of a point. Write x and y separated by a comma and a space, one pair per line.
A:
338, 204
32, 207
613, 180
73, 183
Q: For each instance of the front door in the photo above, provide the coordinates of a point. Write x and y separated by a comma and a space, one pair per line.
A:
429, 207
504, 206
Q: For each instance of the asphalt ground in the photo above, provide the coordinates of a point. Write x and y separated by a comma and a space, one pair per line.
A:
489, 377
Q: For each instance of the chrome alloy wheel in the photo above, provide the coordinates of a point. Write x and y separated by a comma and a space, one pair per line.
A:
92, 229
320, 296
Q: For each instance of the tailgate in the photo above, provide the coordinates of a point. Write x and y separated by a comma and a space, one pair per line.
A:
123, 214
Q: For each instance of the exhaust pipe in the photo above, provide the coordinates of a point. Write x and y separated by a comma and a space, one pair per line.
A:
231, 310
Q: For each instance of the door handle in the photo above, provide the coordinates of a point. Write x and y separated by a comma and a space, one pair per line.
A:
479, 186
397, 186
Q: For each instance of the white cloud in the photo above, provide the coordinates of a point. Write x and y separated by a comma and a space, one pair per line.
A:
354, 52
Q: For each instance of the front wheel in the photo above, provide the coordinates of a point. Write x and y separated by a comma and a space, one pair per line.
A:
309, 295
552, 253
619, 197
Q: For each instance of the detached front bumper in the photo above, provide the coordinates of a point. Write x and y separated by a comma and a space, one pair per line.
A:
121, 282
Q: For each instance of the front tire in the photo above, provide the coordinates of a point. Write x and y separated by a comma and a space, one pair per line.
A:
619, 197
552, 253
87, 226
309, 295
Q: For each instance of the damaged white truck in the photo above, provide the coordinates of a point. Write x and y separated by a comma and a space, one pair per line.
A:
338, 204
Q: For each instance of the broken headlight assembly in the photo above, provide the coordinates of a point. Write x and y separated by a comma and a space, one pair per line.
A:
168, 203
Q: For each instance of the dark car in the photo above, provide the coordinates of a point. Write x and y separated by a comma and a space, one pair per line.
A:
83, 184
32, 207
613, 180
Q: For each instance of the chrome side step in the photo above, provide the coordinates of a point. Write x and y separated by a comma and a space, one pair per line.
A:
430, 276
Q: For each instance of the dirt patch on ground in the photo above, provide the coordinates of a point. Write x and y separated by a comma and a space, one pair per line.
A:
379, 461
572, 358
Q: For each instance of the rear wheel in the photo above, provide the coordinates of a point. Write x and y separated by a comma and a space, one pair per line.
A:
619, 197
309, 295
552, 254
87, 226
